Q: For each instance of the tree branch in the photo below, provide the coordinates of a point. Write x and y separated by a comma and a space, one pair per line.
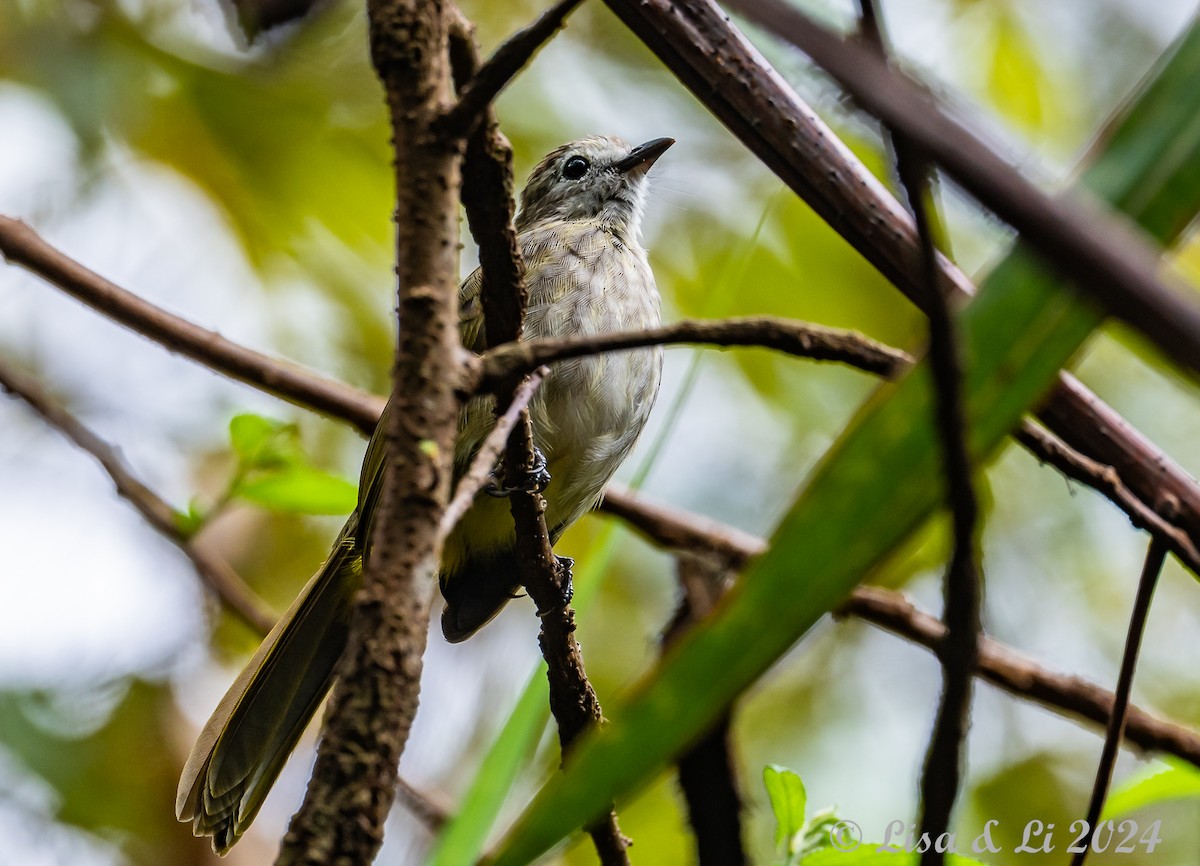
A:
1156, 555
725, 73
21, 245
487, 197
785, 335
1106, 261
489, 452
214, 571
1018, 675
378, 677
1148, 483
707, 771
484, 85
1107, 481
941, 776
1071, 696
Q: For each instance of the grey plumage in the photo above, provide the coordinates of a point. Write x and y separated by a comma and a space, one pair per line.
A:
587, 273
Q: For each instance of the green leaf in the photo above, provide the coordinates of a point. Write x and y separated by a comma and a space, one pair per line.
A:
1176, 781
263, 442
191, 521
300, 490
818, 831
788, 798
1017, 333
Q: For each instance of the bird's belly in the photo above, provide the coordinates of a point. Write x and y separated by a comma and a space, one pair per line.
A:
587, 417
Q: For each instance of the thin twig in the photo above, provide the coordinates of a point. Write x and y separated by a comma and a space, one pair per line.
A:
476, 94
213, 570
1106, 481
941, 776
487, 198
1104, 259
785, 335
425, 808
489, 452
21, 245
1156, 555
714, 60
1071, 696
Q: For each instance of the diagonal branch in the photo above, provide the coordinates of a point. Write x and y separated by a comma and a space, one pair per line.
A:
212, 568
1019, 675
21, 245
489, 452
485, 83
1142, 480
1156, 555
1106, 261
726, 74
1067, 695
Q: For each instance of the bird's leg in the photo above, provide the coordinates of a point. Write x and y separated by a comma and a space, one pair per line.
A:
566, 585
537, 476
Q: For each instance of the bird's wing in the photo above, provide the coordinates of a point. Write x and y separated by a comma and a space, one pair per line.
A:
471, 332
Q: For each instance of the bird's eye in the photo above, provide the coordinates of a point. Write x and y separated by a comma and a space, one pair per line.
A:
575, 168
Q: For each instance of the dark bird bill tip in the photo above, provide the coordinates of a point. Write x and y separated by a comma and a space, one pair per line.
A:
645, 154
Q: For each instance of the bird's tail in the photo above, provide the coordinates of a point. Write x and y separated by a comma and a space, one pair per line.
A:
252, 731
476, 592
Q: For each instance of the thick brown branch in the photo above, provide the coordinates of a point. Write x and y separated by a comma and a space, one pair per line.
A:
375, 697
213, 570
484, 85
784, 335
487, 198
21, 245
723, 71
1067, 695
1106, 260
487, 455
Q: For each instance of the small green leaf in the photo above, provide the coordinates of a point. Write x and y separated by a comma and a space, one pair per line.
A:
818, 831
1177, 781
262, 442
300, 489
191, 521
788, 798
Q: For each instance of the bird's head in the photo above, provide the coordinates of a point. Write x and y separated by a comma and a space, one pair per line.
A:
597, 178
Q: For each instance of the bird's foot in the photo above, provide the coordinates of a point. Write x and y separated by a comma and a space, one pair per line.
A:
536, 479
566, 585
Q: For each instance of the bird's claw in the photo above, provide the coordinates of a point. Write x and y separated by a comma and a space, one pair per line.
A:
536, 479
566, 585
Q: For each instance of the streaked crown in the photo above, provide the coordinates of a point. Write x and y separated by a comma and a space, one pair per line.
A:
597, 178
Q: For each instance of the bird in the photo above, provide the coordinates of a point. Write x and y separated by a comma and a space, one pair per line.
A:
579, 229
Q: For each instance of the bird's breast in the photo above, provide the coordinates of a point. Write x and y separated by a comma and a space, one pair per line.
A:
590, 410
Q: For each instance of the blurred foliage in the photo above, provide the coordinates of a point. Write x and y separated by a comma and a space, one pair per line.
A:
287, 142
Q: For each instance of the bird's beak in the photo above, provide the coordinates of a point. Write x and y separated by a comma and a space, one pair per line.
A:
643, 156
